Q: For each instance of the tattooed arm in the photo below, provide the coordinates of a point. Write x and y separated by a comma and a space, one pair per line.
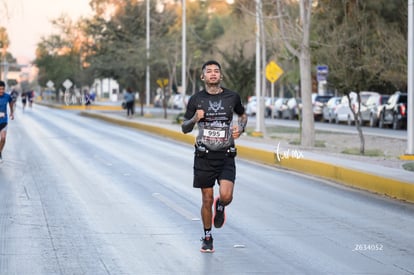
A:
240, 127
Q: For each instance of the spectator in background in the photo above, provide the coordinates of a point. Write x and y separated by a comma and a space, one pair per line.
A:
88, 99
4, 100
129, 98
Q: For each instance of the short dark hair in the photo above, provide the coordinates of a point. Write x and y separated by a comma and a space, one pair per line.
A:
210, 62
2, 84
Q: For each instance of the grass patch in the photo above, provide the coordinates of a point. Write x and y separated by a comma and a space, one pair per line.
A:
368, 153
409, 166
294, 142
318, 143
282, 130
254, 134
295, 130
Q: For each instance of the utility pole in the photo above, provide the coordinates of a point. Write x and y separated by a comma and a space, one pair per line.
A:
410, 80
259, 109
184, 50
147, 76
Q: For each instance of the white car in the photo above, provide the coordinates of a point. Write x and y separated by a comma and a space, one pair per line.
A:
251, 106
343, 113
328, 112
279, 106
371, 109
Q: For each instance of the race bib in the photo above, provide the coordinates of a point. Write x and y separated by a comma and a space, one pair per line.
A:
2, 114
209, 133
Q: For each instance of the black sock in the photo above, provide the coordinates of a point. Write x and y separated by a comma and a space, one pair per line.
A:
207, 232
220, 206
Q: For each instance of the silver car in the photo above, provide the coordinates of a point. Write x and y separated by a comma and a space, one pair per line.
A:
371, 109
343, 112
328, 111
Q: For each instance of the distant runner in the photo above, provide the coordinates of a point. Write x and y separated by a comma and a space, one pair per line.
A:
4, 100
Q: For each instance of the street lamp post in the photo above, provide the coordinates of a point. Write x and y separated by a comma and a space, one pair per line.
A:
259, 110
147, 76
410, 80
184, 49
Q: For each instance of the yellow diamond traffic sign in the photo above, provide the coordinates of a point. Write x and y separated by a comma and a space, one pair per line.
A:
273, 71
162, 82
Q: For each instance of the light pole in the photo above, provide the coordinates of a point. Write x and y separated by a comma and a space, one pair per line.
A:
184, 50
410, 80
147, 76
259, 110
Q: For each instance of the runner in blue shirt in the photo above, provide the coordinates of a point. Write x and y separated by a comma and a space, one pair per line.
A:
4, 100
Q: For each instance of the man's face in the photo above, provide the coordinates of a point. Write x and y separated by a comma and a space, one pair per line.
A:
212, 74
2, 89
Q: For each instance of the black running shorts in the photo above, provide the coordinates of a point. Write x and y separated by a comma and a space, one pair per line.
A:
2, 126
207, 171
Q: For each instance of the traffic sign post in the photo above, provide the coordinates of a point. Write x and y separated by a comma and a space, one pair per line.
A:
162, 82
322, 72
273, 73
322, 77
67, 84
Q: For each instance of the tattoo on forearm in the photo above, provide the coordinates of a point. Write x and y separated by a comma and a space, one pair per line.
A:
242, 121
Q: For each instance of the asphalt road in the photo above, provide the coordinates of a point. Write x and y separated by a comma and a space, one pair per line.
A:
80, 196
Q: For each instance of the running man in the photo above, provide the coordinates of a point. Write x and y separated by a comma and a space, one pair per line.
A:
4, 100
212, 109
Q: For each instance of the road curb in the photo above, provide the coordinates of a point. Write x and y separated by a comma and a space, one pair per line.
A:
351, 177
91, 107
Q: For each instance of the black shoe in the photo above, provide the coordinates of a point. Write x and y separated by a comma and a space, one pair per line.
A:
219, 214
207, 245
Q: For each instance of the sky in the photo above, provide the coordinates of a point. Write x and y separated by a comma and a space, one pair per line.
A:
27, 21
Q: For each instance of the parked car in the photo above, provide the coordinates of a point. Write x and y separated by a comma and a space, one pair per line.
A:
394, 112
251, 106
364, 98
343, 112
158, 100
328, 111
318, 103
294, 107
279, 106
269, 101
370, 110
178, 101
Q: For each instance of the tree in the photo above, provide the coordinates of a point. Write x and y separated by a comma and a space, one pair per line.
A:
239, 70
4, 44
377, 29
295, 32
364, 47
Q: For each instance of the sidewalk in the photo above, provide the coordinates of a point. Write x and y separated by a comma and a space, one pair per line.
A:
392, 182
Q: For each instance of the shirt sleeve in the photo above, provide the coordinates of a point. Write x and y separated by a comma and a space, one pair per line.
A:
189, 123
239, 108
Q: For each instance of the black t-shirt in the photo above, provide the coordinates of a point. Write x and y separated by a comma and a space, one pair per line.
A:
215, 129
